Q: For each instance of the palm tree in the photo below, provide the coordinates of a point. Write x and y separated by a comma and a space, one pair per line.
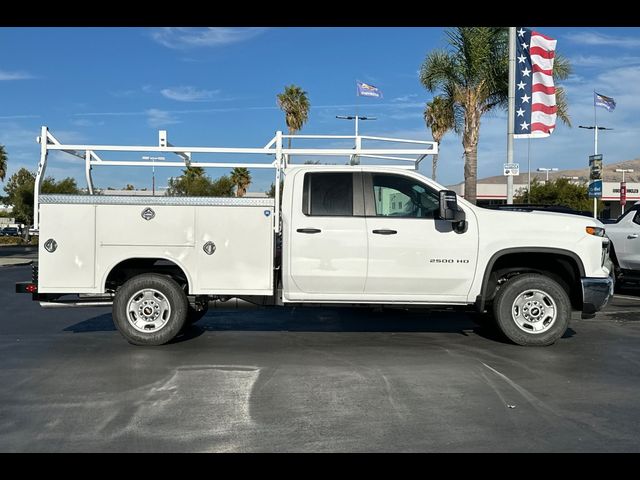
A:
295, 105
241, 178
474, 75
439, 117
3, 163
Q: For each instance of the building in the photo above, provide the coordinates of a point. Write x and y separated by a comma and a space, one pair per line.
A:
493, 190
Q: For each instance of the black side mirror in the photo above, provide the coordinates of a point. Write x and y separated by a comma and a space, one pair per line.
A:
450, 211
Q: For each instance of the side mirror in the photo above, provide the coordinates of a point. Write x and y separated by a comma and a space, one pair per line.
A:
449, 209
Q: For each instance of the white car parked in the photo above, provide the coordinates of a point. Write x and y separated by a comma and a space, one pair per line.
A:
625, 244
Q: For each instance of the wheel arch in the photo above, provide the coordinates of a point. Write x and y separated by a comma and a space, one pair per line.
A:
124, 269
545, 252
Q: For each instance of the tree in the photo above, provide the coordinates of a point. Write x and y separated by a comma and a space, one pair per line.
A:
19, 190
194, 183
241, 178
473, 74
128, 187
271, 193
440, 118
295, 105
3, 163
556, 192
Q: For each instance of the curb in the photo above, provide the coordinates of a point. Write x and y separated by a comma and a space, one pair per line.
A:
19, 262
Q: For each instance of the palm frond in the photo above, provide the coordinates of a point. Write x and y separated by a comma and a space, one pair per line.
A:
563, 106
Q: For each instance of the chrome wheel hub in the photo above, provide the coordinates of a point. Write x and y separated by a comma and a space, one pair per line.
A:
534, 311
148, 310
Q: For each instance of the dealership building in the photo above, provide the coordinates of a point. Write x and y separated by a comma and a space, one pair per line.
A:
496, 193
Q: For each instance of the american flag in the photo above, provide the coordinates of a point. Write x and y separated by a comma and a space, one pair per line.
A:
535, 101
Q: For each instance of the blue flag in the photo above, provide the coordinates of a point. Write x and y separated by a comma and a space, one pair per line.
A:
603, 101
366, 90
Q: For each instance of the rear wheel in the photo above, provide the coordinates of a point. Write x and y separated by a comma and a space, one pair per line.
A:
532, 309
150, 309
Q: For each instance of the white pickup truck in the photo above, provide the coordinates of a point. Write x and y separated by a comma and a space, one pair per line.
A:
351, 234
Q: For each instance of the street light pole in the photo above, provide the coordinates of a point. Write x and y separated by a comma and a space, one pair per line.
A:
356, 118
623, 187
547, 170
624, 170
358, 142
153, 170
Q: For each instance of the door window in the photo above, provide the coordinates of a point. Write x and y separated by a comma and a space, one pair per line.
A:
328, 194
398, 196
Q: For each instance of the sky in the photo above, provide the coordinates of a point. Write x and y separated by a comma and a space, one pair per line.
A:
218, 87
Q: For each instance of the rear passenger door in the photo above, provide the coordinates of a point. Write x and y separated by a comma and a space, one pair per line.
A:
328, 240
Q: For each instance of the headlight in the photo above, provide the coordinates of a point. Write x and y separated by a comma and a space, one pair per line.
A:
597, 231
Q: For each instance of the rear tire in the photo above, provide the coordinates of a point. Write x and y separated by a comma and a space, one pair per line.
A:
150, 309
532, 310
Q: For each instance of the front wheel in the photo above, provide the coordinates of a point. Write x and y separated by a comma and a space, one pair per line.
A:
532, 310
150, 309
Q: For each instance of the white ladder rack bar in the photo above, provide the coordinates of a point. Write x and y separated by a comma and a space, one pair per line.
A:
274, 147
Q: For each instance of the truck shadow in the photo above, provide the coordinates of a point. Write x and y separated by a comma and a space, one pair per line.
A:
296, 319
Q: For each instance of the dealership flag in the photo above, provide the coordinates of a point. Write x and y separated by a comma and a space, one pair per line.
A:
366, 90
603, 101
535, 100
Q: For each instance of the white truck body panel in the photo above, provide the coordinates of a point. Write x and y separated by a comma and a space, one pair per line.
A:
95, 233
71, 267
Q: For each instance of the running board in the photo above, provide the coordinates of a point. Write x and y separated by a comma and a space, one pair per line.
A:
76, 304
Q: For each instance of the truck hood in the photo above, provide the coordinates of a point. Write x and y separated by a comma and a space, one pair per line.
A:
541, 221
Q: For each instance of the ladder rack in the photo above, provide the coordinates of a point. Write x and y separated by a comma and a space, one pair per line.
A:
281, 162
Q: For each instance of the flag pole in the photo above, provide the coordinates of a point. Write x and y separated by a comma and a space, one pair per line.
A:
512, 106
595, 149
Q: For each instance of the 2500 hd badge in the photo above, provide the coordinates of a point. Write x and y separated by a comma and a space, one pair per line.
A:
448, 260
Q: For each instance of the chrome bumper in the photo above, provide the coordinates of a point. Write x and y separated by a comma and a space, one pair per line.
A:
596, 293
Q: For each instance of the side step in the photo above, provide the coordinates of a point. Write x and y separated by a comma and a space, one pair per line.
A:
76, 304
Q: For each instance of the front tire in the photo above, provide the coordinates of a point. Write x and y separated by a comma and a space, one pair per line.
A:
150, 309
532, 310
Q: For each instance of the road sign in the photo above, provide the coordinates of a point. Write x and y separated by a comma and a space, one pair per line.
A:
595, 189
595, 167
511, 169
623, 193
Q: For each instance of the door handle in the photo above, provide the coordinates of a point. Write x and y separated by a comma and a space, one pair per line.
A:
385, 232
633, 235
308, 230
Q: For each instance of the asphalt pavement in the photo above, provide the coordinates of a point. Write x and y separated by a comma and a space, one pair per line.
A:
17, 255
314, 380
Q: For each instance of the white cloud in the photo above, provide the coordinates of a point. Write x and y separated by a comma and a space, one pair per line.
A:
18, 117
600, 39
85, 122
158, 118
598, 61
15, 136
190, 37
188, 94
405, 98
4, 75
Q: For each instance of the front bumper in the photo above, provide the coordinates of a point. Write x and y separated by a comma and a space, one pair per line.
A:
596, 293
